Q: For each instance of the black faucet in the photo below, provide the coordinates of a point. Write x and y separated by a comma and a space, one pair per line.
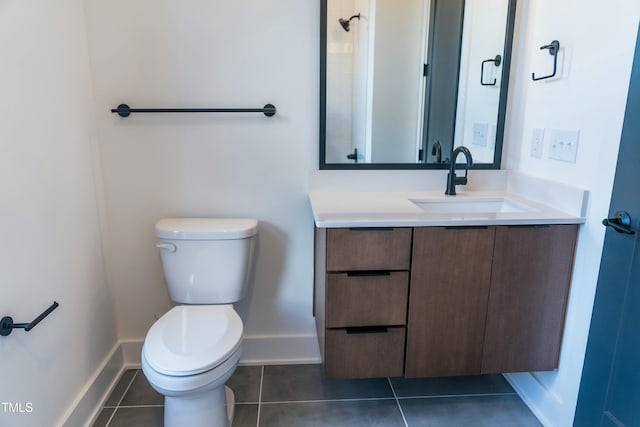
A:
436, 150
452, 179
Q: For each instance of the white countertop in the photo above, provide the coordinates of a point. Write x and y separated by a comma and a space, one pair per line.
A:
542, 202
396, 209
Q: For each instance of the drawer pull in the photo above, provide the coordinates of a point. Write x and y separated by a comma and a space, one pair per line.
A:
368, 273
371, 228
368, 330
467, 227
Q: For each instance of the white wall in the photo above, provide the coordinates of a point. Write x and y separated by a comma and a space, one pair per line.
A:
199, 53
483, 38
341, 48
363, 78
597, 43
49, 214
397, 80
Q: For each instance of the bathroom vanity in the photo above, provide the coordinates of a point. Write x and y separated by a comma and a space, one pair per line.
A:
425, 285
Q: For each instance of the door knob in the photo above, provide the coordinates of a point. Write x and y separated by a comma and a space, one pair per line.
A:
621, 222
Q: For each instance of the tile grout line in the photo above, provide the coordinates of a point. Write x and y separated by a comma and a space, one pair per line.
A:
354, 399
437, 396
128, 387
260, 397
140, 406
397, 402
122, 398
448, 396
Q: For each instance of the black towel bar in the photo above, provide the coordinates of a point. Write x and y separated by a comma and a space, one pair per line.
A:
7, 325
124, 110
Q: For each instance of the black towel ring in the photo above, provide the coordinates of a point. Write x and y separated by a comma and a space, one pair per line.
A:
553, 47
496, 62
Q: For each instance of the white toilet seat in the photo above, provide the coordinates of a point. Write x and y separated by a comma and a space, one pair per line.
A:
169, 385
189, 340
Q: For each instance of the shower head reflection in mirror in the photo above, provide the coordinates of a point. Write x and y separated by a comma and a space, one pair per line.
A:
346, 23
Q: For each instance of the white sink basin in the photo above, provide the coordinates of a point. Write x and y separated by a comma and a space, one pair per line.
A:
475, 205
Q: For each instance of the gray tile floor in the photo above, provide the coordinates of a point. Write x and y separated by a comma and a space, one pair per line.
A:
297, 395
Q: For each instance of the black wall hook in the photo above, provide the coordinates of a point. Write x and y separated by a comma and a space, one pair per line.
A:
553, 47
7, 326
496, 62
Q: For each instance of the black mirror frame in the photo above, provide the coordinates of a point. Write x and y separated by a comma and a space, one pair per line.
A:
502, 105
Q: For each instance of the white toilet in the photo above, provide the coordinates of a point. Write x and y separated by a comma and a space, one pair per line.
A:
191, 351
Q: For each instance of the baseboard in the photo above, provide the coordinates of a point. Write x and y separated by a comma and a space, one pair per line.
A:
526, 385
131, 354
85, 409
256, 350
280, 350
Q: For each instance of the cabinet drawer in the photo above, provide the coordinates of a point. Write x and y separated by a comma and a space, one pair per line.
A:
368, 249
366, 299
364, 353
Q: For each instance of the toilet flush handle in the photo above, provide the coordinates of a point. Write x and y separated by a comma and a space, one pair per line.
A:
167, 246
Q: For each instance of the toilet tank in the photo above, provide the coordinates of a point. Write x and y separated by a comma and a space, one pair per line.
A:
206, 260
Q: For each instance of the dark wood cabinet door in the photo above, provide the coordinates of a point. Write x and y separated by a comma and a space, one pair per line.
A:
529, 288
449, 288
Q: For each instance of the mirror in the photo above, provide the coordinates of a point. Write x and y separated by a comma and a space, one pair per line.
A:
404, 82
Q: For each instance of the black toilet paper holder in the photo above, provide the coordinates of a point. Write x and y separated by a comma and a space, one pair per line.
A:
7, 326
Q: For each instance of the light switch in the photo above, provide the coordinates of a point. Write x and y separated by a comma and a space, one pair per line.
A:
563, 145
480, 131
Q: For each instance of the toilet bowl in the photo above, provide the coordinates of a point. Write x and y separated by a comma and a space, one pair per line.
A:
187, 356
192, 350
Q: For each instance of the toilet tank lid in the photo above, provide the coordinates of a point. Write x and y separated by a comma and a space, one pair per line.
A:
206, 228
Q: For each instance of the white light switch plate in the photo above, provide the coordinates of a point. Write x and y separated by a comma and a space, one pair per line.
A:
563, 145
537, 141
480, 131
